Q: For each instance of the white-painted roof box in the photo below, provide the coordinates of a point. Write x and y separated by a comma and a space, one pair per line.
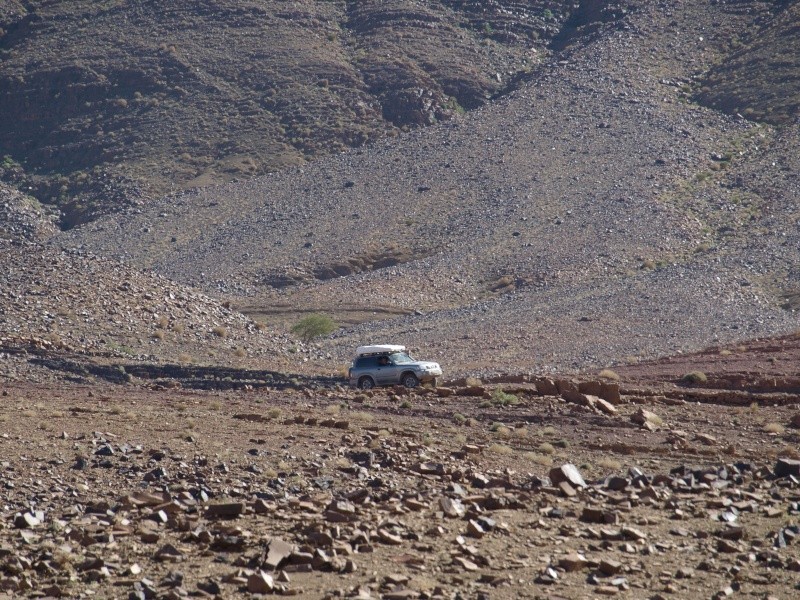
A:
379, 349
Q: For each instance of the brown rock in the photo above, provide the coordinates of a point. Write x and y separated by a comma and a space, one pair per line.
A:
260, 583
784, 467
546, 386
604, 406
642, 417
572, 562
465, 563
277, 552
609, 566
474, 391
452, 508
569, 473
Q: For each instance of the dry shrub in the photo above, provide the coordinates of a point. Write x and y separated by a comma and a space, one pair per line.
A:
364, 417
220, 331
547, 448
185, 358
608, 463
260, 325
274, 413
333, 409
178, 328
459, 419
162, 322
774, 428
789, 452
159, 335
608, 374
548, 431
500, 449
473, 382
239, 353
539, 459
695, 377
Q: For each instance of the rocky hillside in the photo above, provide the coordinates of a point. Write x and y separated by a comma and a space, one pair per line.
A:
759, 78
109, 104
595, 215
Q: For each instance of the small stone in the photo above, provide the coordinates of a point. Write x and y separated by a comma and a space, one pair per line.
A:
465, 564
610, 567
572, 562
568, 473
451, 507
260, 583
277, 552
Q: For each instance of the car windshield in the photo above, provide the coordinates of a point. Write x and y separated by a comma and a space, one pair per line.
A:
400, 358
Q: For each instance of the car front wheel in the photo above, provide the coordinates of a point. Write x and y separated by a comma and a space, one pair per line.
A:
410, 380
366, 383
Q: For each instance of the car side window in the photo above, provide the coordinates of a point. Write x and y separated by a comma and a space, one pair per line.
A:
367, 362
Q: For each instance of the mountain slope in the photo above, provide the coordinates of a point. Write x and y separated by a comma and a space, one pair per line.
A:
594, 215
107, 104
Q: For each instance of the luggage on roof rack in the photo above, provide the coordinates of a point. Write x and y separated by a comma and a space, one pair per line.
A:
379, 349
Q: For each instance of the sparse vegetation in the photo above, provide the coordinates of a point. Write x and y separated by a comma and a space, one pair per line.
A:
500, 449
608, 374
609, 464
314, 326
547, 448
220, 331
775, 428
695, 377
501, 398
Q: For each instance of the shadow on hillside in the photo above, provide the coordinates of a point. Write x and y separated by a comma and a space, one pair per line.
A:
183, 376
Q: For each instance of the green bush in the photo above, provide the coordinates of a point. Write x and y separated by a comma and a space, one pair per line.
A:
695, 377
314, 326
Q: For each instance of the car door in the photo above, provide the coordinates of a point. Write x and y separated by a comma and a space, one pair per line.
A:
386, 374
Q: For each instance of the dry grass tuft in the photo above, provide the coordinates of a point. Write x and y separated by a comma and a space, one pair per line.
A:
774, 428
220, 331
608, 463
608, 374
473, 382
539, 459
547, 448
500, 449
240, 353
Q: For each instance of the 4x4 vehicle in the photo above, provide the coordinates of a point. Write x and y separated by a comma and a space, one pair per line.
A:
390, 365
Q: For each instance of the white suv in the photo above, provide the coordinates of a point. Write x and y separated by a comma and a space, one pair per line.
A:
390, 365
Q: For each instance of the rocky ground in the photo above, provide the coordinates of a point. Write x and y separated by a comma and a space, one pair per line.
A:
639, 484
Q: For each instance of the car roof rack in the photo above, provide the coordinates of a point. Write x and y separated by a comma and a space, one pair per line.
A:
379, 349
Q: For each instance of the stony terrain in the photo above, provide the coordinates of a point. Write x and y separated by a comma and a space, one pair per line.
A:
540, 488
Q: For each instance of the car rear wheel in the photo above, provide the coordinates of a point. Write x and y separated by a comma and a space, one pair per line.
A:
366, 383
409, 380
